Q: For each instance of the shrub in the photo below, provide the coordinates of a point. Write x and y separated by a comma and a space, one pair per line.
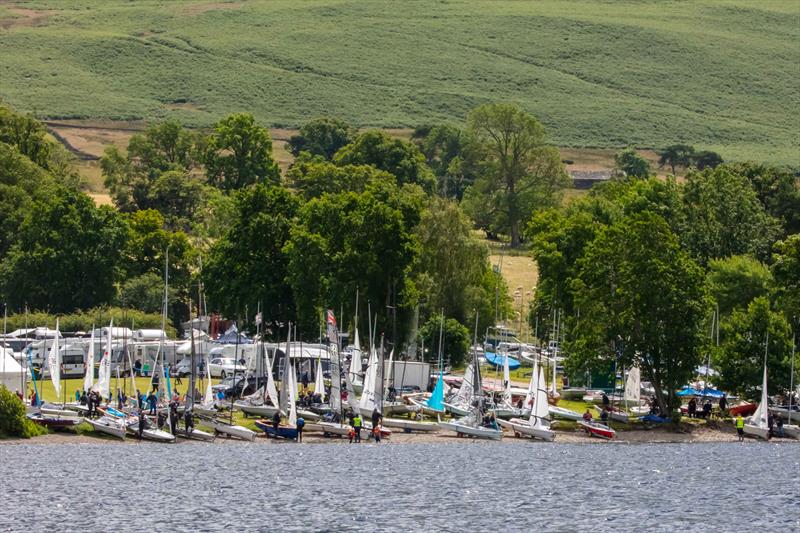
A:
13, 422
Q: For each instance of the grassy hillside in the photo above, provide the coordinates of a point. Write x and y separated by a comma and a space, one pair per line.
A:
721, 74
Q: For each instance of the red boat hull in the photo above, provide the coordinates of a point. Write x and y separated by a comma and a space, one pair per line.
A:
744, 410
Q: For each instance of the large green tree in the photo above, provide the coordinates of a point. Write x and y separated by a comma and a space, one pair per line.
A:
67, 255
456, 340
724, 216
786, 270
740, 359
352, 241
453, 265
147, 245
676, 156
322, 136
314, 177
248, 266
27, 134
629, 163
520, 173
778, 190
22, 182
239, 153
395, 156
446, 149
643, 302
158, 171
736, 281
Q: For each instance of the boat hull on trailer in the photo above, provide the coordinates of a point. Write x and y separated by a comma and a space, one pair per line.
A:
194, 434
757, 431
329, 428
615, 414
284, 432
266, 411
155, 435
55, 421
598, 430
510, 412
411, 425
109, 426
425, 409
456, 410
238, 432
522, 427
498, 360
792, 431
566, 414
479, 432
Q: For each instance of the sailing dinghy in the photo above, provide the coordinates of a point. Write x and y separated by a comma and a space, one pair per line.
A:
472, 424
537, 425
757, 425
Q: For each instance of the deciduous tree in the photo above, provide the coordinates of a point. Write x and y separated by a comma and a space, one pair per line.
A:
740, 359
520, 173
397, 157
322, 136
239, 153
643, 301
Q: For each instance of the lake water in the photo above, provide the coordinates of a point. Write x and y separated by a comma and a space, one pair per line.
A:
426, 487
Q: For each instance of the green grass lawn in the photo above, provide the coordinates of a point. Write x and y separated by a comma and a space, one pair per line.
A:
719, 74
48, 393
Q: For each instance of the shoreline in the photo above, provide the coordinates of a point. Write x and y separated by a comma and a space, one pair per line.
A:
653, 436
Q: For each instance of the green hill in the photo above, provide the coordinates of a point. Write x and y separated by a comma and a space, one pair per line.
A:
719, 74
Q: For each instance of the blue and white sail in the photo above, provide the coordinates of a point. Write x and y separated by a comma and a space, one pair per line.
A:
436, 401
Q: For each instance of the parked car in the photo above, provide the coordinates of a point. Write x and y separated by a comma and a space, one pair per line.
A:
222, 367
184, 367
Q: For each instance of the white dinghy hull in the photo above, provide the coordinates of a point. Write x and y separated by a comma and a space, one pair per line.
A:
522, 427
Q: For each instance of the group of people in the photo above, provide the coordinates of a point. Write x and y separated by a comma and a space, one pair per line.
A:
91, 399
704, 413
357, 424
306, 398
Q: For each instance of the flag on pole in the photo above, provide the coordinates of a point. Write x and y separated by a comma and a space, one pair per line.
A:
333, 332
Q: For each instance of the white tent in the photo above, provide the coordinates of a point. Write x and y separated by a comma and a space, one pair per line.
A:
10, 371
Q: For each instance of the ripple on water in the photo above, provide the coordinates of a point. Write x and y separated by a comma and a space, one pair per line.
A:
426, 487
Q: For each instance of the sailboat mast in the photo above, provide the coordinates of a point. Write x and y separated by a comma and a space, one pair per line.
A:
477, 392
439, 359
379, 384
235, 363
194, 366
791, 377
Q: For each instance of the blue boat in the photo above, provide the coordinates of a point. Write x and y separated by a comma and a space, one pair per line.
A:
498, 360
284, 432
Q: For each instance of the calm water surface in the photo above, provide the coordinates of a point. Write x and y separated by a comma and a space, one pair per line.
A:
425, 487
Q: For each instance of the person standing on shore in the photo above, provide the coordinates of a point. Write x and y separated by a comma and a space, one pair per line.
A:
90, 403
692, 408
276, 421
300, 424
188, 420
173, 417
142, 423
740, 427
723, 406
357, 426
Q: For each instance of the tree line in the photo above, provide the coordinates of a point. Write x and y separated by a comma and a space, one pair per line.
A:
635, 268
645, 271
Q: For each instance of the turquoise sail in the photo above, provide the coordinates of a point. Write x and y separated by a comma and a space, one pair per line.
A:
436, 401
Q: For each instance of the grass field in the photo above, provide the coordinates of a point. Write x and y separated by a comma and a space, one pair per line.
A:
719, 74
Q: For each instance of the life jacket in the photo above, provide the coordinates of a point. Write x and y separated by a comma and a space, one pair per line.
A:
740, 423
357, 422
